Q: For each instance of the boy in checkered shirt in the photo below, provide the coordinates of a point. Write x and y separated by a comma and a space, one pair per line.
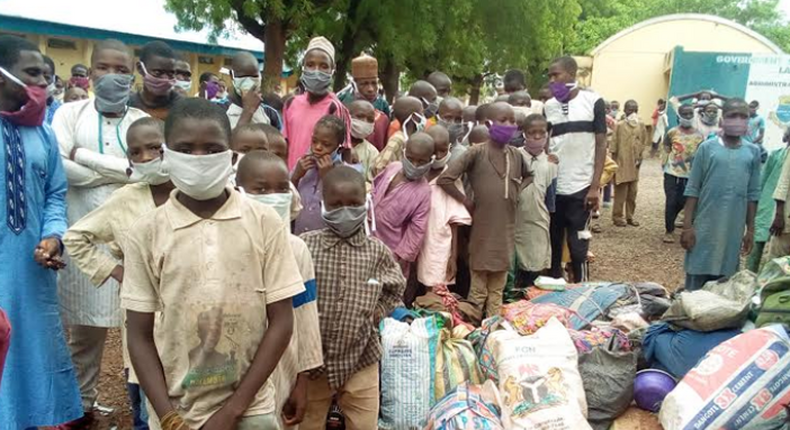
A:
358, 284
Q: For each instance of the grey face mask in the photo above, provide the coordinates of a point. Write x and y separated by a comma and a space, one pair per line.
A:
344, 221
316, 82
412, 172
112, 92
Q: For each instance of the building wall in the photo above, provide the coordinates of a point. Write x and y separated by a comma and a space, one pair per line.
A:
637, 65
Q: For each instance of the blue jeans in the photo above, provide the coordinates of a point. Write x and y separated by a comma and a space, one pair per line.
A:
139, 411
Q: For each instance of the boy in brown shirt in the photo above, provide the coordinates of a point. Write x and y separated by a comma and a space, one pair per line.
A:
628, 144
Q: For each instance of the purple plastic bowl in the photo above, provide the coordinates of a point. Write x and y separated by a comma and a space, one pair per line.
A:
651, 386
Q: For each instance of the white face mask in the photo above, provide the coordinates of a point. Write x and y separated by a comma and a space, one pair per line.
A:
440, 163
361, 129
634, 117
419, 123
202, 177
184, 85
245, 84
280, 202
151, 172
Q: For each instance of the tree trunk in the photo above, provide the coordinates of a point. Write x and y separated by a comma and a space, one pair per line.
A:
474, 91
390, 77
274, 44
346, 52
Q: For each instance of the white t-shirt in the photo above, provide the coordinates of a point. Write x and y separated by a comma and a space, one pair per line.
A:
574, 126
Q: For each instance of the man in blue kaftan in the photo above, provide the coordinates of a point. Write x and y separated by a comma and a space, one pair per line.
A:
39, 387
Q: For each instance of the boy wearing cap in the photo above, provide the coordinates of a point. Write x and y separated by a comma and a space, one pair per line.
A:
302, 112
365, 71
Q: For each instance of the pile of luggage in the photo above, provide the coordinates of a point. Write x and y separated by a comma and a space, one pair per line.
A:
595, 356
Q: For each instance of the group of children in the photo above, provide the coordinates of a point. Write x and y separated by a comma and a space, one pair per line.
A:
253, 291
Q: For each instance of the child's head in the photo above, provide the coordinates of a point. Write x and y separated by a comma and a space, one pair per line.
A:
328, 135
423, 91
418, 155
363, 118
501, 113
481, 114
735, 117
74, 94
535, 127
276, 141
631, 106
544, 94
343, 187
262, 172
705, 96
198, 127
563, 70
249, 137
536, 132
520, 98
686, 114
754, 106
615, 106
479, 135
514, 81
441, 145
451, 110
469, 113
144, 140
405, 107
710, 114
662, 104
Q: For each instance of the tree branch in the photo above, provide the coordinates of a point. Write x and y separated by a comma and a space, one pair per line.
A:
252, 26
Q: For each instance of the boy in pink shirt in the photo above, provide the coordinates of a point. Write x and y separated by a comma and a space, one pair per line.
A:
437, 260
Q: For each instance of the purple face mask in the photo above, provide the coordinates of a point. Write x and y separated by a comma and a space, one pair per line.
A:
561, 91
502, 133
534, 146
212, 88
735, 126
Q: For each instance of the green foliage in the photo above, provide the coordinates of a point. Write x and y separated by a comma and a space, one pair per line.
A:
601, 19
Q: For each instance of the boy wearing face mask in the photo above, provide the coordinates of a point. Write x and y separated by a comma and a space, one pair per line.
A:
246, 102
780, 228
92, 138
328, 135
438, 257
225, 309
407, 110
363, 117
302, 112
109, 223
721, 200
533, 240
358, 284
627, 148
263, 177
157, 66
365, 72
706, 110
402, 200
681, 145
52, 103
497, 173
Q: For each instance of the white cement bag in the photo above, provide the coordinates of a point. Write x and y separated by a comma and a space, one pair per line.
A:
407, 368
539, 379
740, 384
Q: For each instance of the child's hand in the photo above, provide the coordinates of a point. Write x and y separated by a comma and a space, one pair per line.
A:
324, 165
223, 419
778, 226
470, 205
554, 159
296, 405
748, 243
688, 239
251, 100
452, 269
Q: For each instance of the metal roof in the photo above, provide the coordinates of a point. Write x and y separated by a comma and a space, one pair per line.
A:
17, 24
690, 16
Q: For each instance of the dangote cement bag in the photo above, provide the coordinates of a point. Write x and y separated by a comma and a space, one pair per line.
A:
539, 379
407, 368
741, 384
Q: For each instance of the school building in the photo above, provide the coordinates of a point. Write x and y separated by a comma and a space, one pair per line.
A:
68, 45
637, 63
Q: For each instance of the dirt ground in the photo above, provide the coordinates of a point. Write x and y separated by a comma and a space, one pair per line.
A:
621, 254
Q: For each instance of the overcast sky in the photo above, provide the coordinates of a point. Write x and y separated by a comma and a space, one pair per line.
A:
146, 17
